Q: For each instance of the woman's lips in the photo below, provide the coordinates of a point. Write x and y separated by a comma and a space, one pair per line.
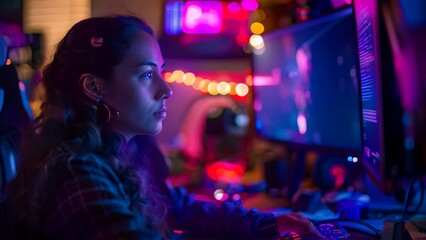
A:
162, 113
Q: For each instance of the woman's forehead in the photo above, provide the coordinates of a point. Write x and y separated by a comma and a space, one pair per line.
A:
144, 49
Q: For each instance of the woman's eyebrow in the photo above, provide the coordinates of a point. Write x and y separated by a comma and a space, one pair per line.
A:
150, 64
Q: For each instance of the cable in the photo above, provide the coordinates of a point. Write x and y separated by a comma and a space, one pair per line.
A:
406, 200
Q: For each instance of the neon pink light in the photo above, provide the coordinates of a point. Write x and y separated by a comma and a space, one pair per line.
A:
22, 86
339, 174
242, 38
225, 171
202, 17
249, 5
405, 68
260, 80
303, 60
339, 3
236, 197
301, 123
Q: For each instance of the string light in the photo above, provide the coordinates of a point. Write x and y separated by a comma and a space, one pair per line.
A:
241, 89
223, 88
208, 86
257, 28
188, 79
257, 41
212, 88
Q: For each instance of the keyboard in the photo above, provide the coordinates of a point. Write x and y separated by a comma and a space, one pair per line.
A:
328, 230
332, 231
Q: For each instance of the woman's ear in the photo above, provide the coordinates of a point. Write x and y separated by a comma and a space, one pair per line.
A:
90, 86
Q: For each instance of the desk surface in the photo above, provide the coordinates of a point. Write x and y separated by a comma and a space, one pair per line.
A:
415, 230
265, 202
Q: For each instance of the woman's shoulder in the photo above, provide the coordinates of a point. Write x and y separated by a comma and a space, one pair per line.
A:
70, 169
70, 161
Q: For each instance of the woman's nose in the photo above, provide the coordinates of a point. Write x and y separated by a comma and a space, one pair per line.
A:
164, 90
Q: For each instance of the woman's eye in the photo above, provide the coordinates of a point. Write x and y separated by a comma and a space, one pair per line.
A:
147, 74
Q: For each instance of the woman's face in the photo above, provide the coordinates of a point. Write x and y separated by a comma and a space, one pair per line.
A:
138, 91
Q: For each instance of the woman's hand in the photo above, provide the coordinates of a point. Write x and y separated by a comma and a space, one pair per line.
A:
297, 223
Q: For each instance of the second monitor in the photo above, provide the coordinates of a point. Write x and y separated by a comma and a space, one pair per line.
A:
306, 85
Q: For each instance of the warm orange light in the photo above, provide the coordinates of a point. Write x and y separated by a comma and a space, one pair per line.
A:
188, 78
249, 80
167, 76
196, 84
257, 28
233, 85
203, 85
206, 85
241, 89
177, 76
223, 88
212, 88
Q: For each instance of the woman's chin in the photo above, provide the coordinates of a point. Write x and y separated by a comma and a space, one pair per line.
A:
156, 130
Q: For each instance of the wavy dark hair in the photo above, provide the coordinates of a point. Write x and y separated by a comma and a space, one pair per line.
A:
69, 116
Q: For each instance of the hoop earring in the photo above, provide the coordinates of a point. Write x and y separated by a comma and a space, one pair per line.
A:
105, 112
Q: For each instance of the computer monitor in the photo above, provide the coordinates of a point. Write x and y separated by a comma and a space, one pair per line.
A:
391, 90
306, 91
307, 99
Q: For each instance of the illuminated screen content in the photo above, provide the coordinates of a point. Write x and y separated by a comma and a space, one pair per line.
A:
366, 20
306, 84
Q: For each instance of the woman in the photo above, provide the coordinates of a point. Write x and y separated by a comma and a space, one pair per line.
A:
91, 169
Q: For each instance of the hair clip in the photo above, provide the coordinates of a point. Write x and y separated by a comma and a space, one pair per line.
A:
96, 41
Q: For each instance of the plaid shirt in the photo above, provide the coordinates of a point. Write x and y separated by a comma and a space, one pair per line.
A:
85, 199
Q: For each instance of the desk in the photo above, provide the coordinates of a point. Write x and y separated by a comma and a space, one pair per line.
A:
413, 230
265, 202
416, 229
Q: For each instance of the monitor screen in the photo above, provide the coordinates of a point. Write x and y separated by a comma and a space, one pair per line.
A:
392, 136
367, 22
306, 90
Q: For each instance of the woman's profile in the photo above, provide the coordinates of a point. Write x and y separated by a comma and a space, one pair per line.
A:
90, 168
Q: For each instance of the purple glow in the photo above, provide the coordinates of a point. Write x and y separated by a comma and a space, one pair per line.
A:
234, 7
249, 5
268, 80
304, 62
202, 17
340, 3
405, 68
257, 105
236, 197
